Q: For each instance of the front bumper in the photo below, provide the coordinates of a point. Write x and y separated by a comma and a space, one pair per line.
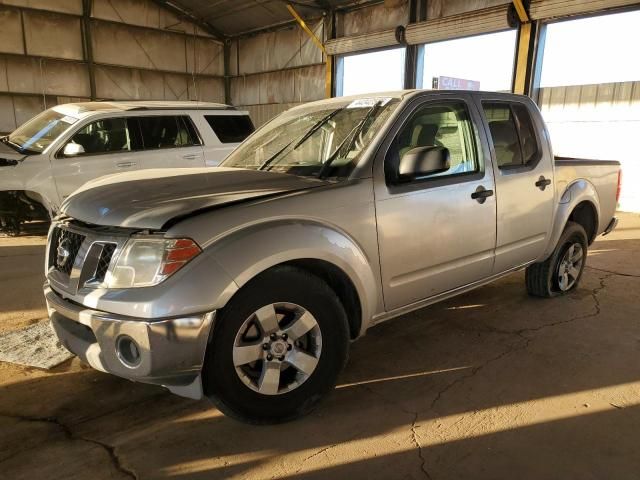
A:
171, 351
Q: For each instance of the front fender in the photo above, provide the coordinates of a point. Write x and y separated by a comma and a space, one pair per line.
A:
576, 192
248, 252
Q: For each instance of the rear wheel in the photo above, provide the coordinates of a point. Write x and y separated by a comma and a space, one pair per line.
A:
277, 348
561, 272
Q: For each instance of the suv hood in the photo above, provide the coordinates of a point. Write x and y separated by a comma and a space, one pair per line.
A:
148, 199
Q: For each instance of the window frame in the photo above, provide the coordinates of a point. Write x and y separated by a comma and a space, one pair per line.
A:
59, 155
441, 180
515, 169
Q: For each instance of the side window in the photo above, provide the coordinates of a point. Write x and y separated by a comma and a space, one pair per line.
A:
108, 135
230, 128
513, 135
445, 125
160, 131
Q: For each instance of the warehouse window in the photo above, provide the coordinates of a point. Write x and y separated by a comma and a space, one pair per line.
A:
371, 72
588, 95
230, 128
482, 62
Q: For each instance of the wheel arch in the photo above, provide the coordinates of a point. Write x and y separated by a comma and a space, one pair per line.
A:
578, 203
321, 250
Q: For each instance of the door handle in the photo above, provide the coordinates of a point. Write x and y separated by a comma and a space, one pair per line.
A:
190, 157
542, 183
481, 194
125, 164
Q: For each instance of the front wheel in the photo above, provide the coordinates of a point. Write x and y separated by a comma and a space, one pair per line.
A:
277, 348
561, 272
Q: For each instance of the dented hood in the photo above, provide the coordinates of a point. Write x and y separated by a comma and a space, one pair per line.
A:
149, 199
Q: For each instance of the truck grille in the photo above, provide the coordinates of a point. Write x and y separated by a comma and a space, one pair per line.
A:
65, 246
103, 263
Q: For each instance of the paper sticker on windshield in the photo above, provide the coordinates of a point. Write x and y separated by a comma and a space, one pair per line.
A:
369, 102
69, 119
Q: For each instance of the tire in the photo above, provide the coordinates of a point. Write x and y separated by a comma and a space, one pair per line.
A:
544, 279
242, 391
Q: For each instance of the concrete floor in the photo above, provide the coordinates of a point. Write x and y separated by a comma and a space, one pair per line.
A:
492, 384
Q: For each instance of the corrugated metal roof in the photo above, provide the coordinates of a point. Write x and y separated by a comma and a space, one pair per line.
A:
237, 17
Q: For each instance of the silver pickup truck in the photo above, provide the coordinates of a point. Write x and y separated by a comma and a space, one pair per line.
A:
246, 283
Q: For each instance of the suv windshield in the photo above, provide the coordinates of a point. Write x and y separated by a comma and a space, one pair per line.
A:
321, 140
39, 132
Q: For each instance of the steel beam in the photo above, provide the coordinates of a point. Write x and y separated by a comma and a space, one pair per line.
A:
328, 82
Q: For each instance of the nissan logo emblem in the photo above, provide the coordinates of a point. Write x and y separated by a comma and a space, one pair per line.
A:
62, 252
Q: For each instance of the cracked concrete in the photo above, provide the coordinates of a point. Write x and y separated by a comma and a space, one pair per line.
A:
491, 384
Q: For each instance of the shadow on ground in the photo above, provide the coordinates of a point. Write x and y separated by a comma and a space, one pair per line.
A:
491, 384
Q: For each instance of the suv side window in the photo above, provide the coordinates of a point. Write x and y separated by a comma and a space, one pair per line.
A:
513, 135
230, 128
445, 125
167, 131
107, 135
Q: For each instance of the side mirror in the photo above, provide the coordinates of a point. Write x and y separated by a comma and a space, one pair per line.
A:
72, 149
422, 161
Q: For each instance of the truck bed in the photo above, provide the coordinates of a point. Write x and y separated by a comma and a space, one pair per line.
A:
602, 174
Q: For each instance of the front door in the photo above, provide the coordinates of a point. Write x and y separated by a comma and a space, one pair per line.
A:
102, 147
435, 233
524, 181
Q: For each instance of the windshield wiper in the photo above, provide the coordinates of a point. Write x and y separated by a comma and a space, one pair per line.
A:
317, 126
353, 134
303, 139
13, 145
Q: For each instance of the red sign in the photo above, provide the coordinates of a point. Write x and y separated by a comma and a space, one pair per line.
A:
451, 83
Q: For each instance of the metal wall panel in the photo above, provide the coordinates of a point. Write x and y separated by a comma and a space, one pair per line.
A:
44, 76
288, 86
143, 13
447, 8
135, 47
261, 114
10, 31
376, 18
204, 56
53, 35
542, 9
63, 6
278, 50
484, 21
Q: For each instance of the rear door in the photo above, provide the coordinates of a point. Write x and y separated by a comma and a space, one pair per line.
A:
435, 233
170, 140
106, 145
524, 180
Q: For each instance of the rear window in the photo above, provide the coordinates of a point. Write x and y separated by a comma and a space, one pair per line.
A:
230, 128
513, 134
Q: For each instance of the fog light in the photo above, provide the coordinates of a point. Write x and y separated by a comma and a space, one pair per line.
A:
128, 351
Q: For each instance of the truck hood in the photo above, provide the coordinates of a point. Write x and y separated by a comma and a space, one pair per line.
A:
149, 199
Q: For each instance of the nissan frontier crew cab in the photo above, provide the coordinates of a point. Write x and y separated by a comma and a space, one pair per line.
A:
246, 283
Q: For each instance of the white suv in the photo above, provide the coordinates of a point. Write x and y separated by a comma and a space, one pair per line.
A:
56, 152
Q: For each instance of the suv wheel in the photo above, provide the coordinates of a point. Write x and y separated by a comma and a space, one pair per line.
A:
277, 348
561, 272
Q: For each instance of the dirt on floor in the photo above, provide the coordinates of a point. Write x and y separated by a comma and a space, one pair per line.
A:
492, 384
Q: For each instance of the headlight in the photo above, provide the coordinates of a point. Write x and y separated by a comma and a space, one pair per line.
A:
145, 262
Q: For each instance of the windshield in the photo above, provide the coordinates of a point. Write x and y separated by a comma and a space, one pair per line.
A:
323, 140
38, 133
